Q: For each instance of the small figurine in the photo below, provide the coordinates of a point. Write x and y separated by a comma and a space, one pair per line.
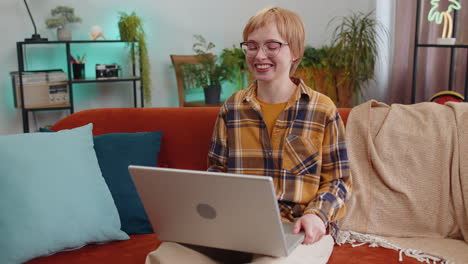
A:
96, 32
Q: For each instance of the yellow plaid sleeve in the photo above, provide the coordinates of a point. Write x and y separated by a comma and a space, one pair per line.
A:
218, 151
335, 179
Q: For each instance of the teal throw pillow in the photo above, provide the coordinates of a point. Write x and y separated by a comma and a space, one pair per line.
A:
115, 152
52, 195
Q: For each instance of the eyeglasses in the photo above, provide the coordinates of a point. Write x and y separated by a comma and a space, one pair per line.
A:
270, 49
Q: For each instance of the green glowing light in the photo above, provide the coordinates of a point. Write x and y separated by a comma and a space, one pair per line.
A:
438, 16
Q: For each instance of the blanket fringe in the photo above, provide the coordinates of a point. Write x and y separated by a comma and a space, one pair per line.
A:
358, 239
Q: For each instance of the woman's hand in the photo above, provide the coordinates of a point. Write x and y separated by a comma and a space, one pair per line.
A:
313, 227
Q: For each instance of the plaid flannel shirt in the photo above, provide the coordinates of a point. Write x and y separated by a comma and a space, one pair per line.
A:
305, 155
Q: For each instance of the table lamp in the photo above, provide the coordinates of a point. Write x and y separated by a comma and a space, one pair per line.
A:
35, 36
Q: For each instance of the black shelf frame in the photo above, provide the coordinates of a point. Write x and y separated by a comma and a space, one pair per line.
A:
21, 45
48, 109
452, 48
112, 79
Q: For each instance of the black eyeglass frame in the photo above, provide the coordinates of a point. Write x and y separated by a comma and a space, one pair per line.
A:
250, 42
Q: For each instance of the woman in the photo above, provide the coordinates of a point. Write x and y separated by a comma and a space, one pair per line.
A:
281, 128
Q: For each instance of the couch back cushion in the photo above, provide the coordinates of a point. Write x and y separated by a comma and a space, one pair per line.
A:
186, 130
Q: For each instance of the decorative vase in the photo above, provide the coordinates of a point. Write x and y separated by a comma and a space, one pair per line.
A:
63, 34
212, 94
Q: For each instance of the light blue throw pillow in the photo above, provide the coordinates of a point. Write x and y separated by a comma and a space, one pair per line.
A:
52, 195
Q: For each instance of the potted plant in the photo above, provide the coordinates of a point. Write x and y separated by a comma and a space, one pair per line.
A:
354, 52
319, 71
313, 69
61, 16
211, 70
131, 29
235, 57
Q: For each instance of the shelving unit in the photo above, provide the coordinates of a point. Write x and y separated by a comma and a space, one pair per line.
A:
452, 48
20, 46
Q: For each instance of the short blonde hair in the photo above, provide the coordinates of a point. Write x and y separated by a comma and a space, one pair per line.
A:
289, 25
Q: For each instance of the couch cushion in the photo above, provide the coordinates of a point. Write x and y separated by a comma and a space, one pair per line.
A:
52, 195
134, 251
115, 152
367, 255
131, 251
187, 130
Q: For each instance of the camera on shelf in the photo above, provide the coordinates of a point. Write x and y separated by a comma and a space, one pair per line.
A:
107, 70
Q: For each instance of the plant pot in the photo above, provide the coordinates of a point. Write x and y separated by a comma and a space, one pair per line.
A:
78, 71
64, 34
212, 94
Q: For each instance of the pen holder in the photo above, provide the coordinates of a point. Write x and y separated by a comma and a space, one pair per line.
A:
78, 71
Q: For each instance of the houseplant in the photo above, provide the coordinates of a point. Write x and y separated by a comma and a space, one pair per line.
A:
235, 57
354, 52
312, 66
319, 71
131, 29
211, 70
61, 16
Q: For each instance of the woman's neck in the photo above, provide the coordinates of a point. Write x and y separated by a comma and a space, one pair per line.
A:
277, 91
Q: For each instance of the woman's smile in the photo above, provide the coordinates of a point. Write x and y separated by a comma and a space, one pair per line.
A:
263, 67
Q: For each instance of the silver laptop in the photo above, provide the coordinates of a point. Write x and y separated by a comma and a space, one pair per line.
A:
220, 210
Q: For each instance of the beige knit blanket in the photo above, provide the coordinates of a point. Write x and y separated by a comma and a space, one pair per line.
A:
410, 175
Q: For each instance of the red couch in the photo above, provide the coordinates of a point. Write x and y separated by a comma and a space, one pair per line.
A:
186, 135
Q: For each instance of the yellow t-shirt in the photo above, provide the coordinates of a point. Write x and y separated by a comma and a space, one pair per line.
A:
270, 112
